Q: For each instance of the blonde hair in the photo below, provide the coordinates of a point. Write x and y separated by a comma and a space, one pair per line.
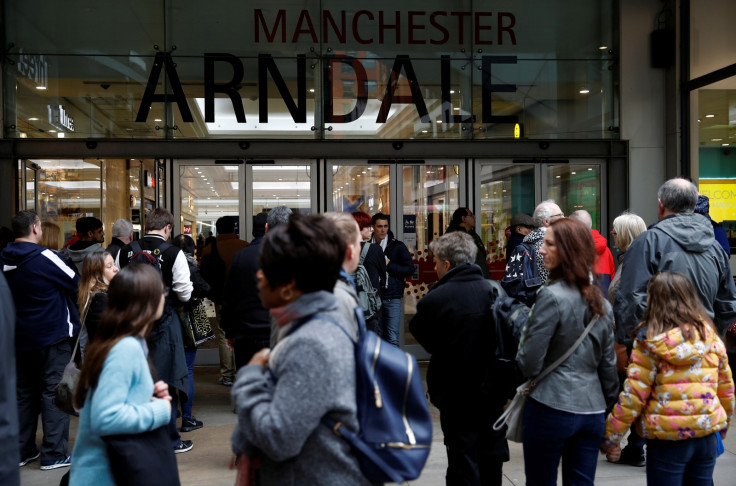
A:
92, 278
50, 234
627, 227
346, 226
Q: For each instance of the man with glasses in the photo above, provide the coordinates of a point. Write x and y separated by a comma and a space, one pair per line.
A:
546, 213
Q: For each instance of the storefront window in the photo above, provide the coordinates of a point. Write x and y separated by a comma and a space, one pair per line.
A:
282, 185
361, 188
207, 193
319, 70
575, 187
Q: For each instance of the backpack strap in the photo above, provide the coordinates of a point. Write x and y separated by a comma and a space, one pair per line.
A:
135, 245
364, 252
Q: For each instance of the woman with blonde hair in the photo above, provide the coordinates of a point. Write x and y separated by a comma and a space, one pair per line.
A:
50, 236
626, 227
98, 269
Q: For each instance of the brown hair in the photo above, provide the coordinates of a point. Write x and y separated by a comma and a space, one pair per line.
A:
132, 302
92, 278
50, 233
158, 219
576, 255
673, 302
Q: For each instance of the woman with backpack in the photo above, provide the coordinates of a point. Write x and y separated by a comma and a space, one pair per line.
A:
374, 263
564, 414
679, 391
282, 395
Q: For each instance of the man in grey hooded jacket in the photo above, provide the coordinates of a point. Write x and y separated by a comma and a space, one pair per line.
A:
681, 241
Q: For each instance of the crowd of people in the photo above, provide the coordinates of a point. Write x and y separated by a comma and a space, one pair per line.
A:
651, 369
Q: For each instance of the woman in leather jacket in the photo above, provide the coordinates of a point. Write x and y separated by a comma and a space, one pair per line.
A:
564, 416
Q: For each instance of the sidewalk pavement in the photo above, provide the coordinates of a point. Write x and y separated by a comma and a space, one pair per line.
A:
206, 464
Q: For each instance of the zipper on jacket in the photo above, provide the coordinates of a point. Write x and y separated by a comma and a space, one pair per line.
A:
376, 390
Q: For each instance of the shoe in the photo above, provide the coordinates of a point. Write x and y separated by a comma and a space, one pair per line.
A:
29, 459
48, 465
183, 446
225, 382
631, 457
189, 424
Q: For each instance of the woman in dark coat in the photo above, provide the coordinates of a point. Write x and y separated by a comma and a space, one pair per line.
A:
374, 263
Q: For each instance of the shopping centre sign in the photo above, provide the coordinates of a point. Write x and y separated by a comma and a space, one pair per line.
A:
365, 28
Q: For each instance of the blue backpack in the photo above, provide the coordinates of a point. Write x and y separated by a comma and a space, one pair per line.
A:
522, 280
395, 425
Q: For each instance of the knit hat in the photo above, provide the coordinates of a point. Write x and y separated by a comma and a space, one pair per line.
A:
521, 219
703, 205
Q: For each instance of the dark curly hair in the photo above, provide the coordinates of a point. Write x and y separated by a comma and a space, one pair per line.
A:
308, 250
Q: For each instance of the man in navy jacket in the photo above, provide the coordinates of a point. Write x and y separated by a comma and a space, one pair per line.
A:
44, 290
398, 266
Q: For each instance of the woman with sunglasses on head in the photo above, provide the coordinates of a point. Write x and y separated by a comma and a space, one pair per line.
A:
564, 415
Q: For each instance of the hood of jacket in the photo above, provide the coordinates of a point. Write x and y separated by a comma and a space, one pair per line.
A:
18, 253
601, 244
673, 348
690, 230
79, 252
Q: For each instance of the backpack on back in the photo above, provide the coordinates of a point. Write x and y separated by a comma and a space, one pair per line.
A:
368, 296
212, 268
522, 279
395, 434
510, 316
149, 257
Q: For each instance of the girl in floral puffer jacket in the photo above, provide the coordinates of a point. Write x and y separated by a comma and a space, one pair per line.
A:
679, 388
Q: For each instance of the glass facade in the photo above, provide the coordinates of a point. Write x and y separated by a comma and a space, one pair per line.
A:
152, 69
713, 110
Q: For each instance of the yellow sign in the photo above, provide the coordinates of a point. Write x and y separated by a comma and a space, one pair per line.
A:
517, 131
722, 197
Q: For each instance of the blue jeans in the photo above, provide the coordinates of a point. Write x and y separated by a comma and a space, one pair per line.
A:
391, 320
186, 407
550, 435
685, 462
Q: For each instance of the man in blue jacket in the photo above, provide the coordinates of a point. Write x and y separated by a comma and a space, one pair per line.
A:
44, 290
398, 266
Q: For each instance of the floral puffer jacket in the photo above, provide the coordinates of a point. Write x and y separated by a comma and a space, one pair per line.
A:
675, 389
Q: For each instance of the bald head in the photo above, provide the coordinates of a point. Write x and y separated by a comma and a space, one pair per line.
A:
584, 217
546, 213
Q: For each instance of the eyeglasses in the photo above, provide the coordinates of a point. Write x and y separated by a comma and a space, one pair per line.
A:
557, 216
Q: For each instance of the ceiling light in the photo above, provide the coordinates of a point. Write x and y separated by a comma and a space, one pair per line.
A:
710, 116
52, 131
439, 122
584, 91
452, 91
33, 119
602, 48
590, 168
41, 88
456, 109
363, 172
725, 144
574, 173
557, 177
196, 168
157, 119
716, 139
311, 90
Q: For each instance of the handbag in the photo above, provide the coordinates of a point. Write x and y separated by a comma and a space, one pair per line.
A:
195, 324
145, 459
511, 417
622, 357
64, 391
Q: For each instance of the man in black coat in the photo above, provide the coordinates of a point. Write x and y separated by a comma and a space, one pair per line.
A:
247, 324
455, 324
9, 446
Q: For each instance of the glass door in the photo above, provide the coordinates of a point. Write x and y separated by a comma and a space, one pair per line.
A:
505, 188
28, 184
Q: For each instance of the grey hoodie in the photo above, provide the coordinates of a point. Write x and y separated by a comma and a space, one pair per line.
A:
80, 251
679, 243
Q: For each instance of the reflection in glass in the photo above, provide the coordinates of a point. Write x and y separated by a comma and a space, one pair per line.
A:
30, 188
361, 188
282, 185
429, 196
505, 190
575, 187
207, 193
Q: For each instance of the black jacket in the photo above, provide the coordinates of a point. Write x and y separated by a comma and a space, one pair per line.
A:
399, 267
114, 247
375, 265
455, 324
242, 312
9, 453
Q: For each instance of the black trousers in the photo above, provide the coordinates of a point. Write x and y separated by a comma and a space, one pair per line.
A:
38, 372
475, 452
